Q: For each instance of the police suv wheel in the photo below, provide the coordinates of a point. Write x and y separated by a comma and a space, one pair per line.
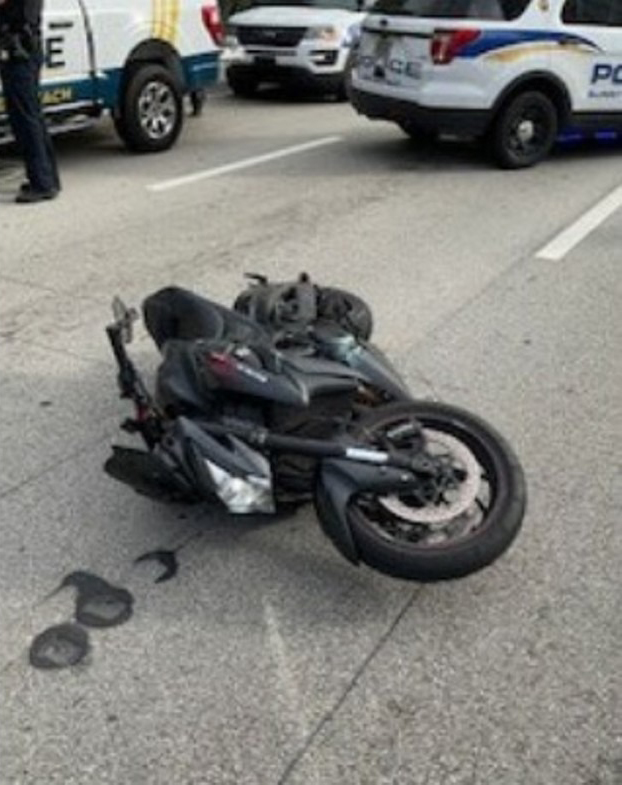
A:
151, 115
525, 130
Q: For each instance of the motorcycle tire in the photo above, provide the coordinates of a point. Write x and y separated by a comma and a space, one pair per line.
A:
392, 535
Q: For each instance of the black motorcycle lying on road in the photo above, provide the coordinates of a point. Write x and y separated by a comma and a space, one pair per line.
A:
284, 400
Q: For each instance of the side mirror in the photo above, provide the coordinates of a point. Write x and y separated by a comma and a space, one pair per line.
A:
124, 318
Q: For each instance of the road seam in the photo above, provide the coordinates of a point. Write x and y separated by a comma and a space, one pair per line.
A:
332, 712
86, 447
244, 163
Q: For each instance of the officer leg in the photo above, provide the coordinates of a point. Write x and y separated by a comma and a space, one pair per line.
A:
49, 147
197, 100
20, 81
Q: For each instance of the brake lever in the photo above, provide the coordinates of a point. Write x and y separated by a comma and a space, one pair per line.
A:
257, 278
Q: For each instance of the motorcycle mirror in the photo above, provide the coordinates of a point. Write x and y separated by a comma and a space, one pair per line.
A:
124, 318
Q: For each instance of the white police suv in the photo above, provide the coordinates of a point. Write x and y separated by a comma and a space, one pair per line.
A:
301, 42
135, 60
517, 73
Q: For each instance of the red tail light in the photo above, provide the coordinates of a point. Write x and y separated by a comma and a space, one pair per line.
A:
213, 23
447, 44
220, 363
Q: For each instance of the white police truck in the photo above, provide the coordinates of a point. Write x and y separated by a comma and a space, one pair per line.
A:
515, 73
134, 59
293, 43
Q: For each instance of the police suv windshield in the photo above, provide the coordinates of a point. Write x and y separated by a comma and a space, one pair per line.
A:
453, 9
348, 5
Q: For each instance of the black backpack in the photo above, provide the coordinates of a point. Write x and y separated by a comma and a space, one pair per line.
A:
293, 306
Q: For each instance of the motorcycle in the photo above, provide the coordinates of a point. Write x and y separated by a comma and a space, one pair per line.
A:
296, 404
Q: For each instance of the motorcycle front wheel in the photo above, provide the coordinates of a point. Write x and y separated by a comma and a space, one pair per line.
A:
462, 519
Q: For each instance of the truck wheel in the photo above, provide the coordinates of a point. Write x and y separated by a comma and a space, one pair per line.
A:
524, 130
151, 112
241, 84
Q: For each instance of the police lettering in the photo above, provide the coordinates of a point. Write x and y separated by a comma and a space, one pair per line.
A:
395, 66
605, 72
53, 52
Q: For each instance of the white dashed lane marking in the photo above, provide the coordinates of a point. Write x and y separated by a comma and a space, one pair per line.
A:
245, 163
561, 245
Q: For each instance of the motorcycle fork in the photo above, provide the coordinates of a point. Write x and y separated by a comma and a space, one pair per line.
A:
148, 420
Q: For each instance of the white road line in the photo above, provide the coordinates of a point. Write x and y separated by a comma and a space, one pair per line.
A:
245, 163
581, 228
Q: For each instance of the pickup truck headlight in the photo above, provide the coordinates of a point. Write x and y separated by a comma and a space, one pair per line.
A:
324, 34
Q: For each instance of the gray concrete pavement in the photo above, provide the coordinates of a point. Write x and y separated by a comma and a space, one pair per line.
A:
269, 659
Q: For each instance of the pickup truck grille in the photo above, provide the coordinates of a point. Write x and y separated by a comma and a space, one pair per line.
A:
270, 36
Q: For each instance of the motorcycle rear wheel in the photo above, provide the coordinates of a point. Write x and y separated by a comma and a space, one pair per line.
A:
456, 535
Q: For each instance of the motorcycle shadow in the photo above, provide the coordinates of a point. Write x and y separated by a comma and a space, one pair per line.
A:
239, 563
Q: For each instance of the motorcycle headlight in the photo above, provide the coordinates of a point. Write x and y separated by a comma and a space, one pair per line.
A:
325, 34
242, 495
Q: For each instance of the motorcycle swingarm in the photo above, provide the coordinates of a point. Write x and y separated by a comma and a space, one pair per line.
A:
343, 479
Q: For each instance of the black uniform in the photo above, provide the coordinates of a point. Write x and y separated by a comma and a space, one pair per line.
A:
20, 63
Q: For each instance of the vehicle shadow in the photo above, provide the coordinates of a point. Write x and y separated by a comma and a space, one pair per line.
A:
284, 94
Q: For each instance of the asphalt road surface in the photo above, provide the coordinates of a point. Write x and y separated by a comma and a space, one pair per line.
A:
268, 659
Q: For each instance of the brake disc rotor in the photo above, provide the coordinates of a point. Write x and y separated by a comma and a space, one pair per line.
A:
467, 491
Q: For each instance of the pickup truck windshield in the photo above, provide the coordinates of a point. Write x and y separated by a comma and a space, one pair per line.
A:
453, 9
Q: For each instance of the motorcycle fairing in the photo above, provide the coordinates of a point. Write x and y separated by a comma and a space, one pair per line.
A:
341, 481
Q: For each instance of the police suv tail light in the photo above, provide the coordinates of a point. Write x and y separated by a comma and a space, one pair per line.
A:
447, 44
213, 23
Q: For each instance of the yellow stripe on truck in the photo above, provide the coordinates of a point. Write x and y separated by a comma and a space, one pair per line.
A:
511, 55
166, 26
157, 18
175, 19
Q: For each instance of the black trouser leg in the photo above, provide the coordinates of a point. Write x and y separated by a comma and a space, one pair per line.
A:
20, 80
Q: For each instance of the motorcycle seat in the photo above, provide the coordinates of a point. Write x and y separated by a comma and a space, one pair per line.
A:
316, 386
174, 313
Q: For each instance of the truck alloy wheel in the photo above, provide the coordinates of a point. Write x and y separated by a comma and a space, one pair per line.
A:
151, 115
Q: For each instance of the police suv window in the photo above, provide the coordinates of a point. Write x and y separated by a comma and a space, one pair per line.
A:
593, 12
453, 9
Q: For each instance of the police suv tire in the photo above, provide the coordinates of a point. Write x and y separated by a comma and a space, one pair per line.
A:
243, 85
150, 82
530, 107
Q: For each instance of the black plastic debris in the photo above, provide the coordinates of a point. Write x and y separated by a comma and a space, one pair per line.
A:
99, 603
168, 559
60, 646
